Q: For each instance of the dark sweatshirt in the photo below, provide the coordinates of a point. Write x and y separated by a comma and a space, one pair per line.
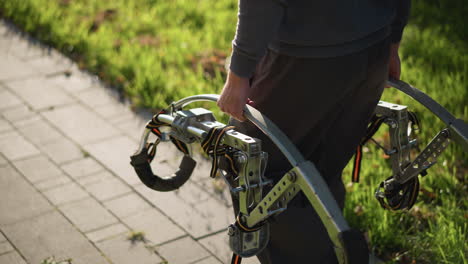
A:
313, 28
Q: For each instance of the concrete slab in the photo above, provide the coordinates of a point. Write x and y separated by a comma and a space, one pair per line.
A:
37, 168
121, 251
9, 100
14, 146
19, 199
127, 205
62, 150
81, 124
197, 223
5, 247
40, 93
52, 183
83, 167
51, 63
18, 113
182, 251
97, 96
88, 215
12, 258
74, 81
39, 131
115, 110
209, 260
218, 245
107, 187
52, 235
107, 232
66, 193
115, 155
3, 161
27, 49
156, 227
5, 125
12, 68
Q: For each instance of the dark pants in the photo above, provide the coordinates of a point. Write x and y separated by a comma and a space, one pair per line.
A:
323, 105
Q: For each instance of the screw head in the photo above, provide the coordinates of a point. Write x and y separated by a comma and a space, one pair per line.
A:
232, 230
292, 176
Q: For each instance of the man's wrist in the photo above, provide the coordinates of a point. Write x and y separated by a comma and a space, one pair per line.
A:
236, 79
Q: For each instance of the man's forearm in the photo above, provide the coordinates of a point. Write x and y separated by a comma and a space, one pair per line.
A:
258, 22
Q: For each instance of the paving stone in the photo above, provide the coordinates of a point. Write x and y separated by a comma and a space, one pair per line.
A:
52, 182
88, 214
39, 131
51, 63
13, 68
184, 250
251, 260
218, 189
14, 146
210, 260
15, 207
192, 194
17, 113
193, 220
81, 124
133, 128
37, 168
218, 245
4, 125
107, 232
5, 247
97, 96
3, 161
52, 235
121, 251
12, 258
66, 193
8, 99
40, 93
27, 49
107, 188
116, 110
156, 227
82, 167
74, 81
115, 155
62, 150
127, 205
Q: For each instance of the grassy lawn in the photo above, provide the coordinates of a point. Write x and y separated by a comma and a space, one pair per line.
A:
157, 51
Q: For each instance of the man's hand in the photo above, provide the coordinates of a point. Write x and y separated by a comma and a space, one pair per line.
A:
394, 65
234, 96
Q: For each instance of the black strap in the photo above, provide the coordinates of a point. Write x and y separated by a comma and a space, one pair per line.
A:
154, 125
212, 146
374, 125
400, 196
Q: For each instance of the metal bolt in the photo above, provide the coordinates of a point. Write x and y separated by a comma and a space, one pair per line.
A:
242, 159
231, 230
292, 176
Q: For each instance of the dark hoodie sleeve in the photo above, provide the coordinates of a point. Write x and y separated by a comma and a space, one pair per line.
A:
257, 24
401, 19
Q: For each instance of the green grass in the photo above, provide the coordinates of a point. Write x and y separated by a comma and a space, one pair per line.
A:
157, 51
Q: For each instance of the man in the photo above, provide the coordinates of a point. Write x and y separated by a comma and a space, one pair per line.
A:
317, 69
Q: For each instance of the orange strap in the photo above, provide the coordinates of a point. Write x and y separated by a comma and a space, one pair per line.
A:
236, 259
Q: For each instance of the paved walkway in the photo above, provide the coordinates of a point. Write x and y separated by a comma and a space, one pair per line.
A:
66, 187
